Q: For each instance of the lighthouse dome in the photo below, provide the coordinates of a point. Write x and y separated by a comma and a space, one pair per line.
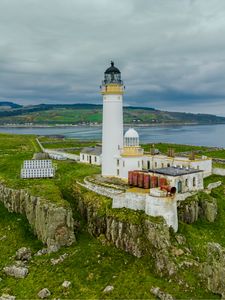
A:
112, 75
131, 138
112, 69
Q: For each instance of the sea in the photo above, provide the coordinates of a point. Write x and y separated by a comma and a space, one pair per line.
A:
199, 135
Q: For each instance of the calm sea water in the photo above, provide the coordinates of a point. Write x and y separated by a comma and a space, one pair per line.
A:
203, 135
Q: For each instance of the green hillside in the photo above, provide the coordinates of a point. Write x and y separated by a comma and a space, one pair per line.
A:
90, 113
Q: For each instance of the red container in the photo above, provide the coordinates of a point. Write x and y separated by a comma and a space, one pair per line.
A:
154, 181
162, 182
146, 181
141, 180
135, 178
130, 177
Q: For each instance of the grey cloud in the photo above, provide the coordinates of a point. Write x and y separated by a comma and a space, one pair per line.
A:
171, 53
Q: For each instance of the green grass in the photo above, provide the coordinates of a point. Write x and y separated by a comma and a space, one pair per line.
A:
164, 147
202, 231
90, 267
218, 165
16, 148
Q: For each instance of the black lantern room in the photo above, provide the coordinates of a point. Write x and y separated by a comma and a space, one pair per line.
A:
112, 75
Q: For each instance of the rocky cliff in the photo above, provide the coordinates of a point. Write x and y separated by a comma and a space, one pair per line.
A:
53, 224
213, 270
137, 237
200, 205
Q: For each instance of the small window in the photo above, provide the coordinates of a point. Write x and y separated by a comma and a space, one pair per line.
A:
186, 182
155, 164
168, 165
123, 163
118, 162
118, 172
83, 157
95, 158
162, 165
194, 181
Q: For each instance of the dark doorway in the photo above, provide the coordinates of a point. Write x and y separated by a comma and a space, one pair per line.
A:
179, 187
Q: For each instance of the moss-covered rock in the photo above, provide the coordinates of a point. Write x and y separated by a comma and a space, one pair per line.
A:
51, 222
200, 205
213, 270
132, 231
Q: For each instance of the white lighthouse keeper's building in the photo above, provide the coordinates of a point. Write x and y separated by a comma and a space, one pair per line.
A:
112, 127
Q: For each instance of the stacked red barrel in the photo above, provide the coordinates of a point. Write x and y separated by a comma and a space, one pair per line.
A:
162, 182
143, 179
130, 177
135, 178
154, 182
140, 180
146, 181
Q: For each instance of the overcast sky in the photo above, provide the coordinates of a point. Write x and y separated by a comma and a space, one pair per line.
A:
171, 53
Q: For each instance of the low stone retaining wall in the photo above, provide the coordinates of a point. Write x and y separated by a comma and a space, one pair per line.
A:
53, 224
99, 189
56, 153
219, 171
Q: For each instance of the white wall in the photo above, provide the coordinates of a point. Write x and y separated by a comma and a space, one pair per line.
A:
165, 207
219, 171
152, 205
90, 159
186, 181
112, 132
126, 164
163, 161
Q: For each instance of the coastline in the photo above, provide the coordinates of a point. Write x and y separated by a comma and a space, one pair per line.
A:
100, 125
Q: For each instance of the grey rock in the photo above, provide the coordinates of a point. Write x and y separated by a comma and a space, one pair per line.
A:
53, 248
156, 291
44, 293
164, 265
7, 297
201, 206
23, 254
41, 252
58, 260
53, 223
66, 284
17, 272
108, 289
214, 185
213, 270
2, 238
181, 240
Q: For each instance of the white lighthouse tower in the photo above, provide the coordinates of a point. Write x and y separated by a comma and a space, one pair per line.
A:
112, 128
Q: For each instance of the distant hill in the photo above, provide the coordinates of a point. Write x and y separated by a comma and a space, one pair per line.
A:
4, 105
53, 114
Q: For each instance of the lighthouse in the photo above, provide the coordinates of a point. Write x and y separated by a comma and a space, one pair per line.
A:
112, 127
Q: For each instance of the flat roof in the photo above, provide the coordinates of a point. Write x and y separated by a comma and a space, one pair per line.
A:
174, 171
92, 150
181, 158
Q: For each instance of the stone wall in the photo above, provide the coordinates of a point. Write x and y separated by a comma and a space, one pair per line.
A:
55, 153
219, 171
100, 189
53, 224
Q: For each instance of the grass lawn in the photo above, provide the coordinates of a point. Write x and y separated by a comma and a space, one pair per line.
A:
90, 265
